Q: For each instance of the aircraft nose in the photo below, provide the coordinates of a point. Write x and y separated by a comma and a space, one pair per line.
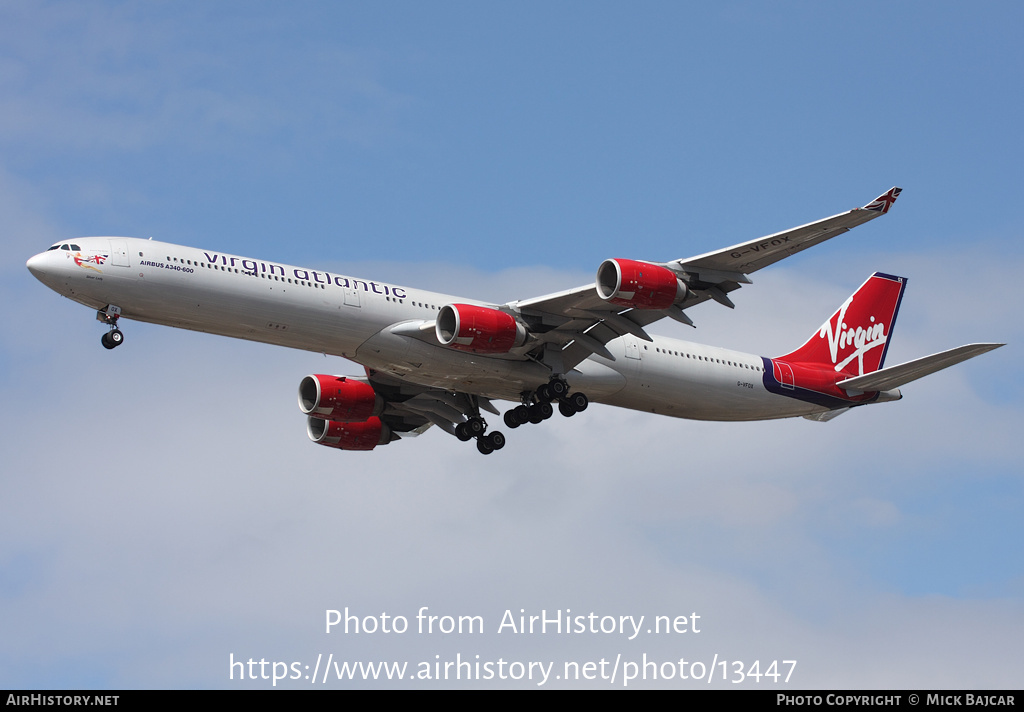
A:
44, 268
35, 264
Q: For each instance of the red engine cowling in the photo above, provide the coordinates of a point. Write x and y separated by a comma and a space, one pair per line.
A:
337, 398
640, 285
348, 436
478, 329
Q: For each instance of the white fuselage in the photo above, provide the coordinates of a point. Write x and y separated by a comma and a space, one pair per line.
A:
329, 313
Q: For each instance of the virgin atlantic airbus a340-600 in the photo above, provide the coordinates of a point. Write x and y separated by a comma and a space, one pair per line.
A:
434, 359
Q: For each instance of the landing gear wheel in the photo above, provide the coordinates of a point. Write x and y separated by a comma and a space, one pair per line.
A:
558, 388
540, 411
483, 446
566, 408
579, 401
510, 419
522, 414
475, 427
112, 339
461, 433
544, 392
495, 440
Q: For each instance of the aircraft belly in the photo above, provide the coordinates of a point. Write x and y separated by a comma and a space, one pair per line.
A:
697, 400
693, 381
597, 379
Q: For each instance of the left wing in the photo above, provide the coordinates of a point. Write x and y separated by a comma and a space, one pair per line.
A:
757, 254
569, 326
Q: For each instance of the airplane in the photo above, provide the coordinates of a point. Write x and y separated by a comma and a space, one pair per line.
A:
433, 359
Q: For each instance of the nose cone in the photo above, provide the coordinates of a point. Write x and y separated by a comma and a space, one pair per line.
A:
47, 268
36, 265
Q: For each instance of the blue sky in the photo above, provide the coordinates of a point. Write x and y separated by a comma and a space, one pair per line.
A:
162, 506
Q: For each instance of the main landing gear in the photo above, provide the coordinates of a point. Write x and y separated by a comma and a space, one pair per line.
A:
113, 338
537, 406
476, 427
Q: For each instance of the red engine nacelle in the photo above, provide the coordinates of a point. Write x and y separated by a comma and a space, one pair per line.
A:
640, 285
348, 436
478, 329
340, 399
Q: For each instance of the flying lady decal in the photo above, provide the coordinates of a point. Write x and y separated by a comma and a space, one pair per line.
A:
90, 262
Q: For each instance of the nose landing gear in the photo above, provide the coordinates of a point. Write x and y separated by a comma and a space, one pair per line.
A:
109, 316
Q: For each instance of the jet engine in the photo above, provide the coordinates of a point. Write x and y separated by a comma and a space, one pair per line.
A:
481, 330
348, 436
340, 399
640, 285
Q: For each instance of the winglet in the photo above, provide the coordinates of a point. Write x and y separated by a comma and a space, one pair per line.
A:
882, 203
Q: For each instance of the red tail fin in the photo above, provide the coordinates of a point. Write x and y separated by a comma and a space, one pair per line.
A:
855, 339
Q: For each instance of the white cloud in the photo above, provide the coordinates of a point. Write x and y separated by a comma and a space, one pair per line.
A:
125, 79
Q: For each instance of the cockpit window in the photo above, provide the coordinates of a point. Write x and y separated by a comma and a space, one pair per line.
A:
65, 247
55, 247
75, 247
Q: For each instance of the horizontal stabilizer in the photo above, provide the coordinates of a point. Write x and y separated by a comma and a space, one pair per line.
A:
896, 376
827, 415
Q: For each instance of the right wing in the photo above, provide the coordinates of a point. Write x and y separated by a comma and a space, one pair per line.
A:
411, 409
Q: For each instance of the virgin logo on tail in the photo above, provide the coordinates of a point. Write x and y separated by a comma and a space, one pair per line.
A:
840, 336
859, 330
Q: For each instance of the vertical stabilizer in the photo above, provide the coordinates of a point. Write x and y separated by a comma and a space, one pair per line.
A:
855, 339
